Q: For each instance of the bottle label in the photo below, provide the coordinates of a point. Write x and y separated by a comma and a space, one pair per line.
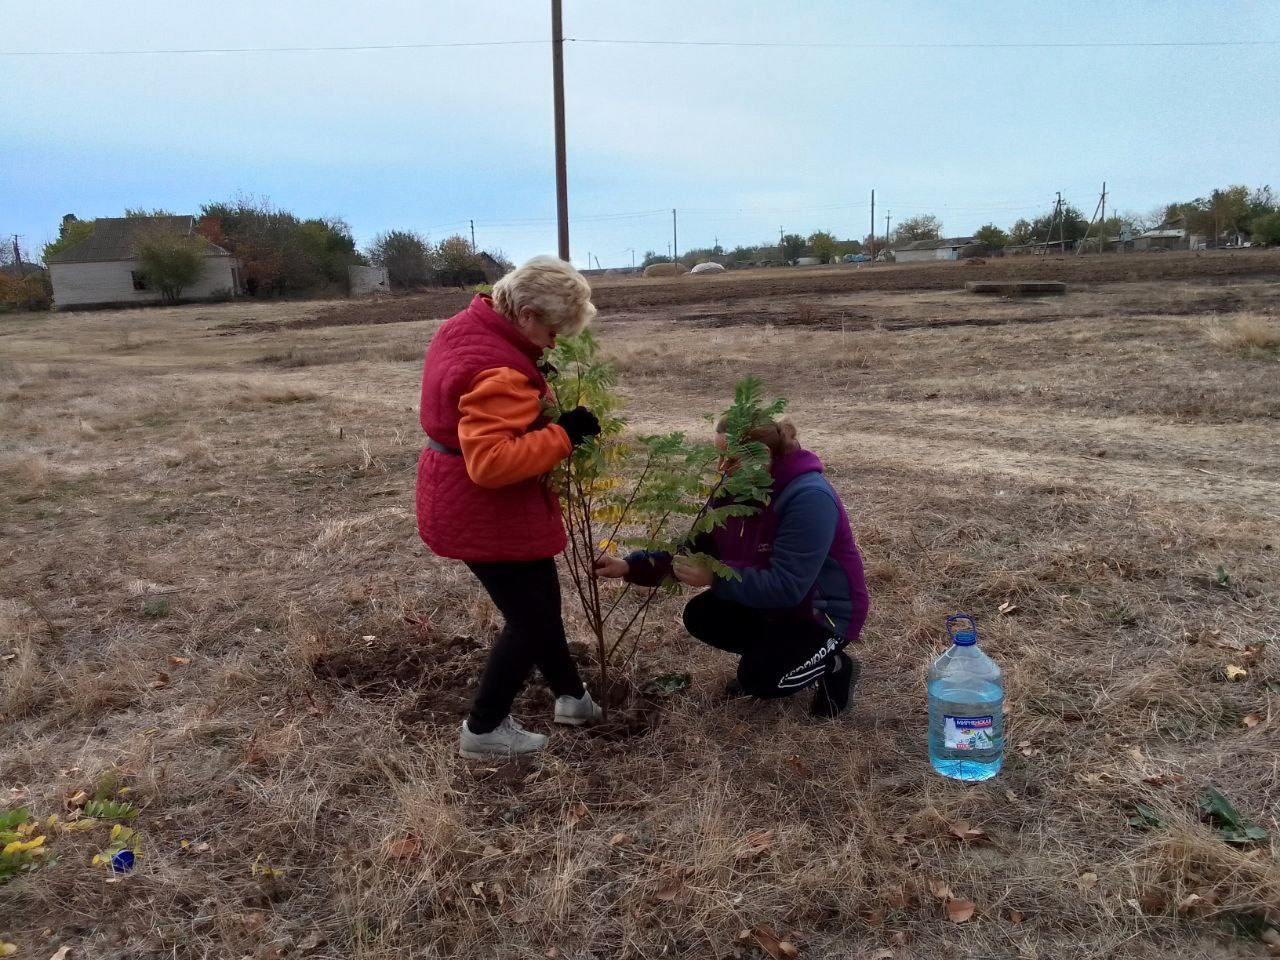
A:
968, 733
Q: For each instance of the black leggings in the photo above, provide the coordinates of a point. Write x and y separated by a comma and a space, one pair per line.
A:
781, 653
528, 595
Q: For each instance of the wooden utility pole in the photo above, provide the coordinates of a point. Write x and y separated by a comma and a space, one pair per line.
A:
1062, 225
473, 236
1101, 207
873, 226
675, 246
562, 169
1102, 222
887, 217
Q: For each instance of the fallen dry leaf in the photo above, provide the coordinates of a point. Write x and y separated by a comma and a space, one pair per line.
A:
1189, 903
1016, 916
669, 891
177, 661
619, 840
1087, 881
774, 946
7, 949
62, 954
797, 765
900, 838
754, 844
960, 911
577, 813
961, 830
552, 954
900, 898
1235, 673
940, 889
406, 848
1007, 608
1252, 720
161, 680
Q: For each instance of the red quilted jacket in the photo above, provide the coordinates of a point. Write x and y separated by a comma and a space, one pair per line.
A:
458, 518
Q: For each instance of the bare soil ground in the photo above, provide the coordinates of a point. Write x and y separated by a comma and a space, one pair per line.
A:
212, 596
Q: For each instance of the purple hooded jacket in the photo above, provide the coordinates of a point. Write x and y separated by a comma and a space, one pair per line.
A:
797, 556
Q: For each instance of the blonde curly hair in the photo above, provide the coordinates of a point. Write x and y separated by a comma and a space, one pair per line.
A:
553, 289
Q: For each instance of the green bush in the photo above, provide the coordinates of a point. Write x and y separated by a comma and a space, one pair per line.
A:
1266, 228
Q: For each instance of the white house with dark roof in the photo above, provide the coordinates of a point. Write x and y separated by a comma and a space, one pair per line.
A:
103, 270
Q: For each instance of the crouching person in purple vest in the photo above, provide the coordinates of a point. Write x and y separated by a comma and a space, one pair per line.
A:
802, 597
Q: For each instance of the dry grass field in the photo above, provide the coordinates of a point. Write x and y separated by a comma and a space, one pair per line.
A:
214, 606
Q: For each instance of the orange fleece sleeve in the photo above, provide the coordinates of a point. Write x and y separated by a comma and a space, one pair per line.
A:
497, 445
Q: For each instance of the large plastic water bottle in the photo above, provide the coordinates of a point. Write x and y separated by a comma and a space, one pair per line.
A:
966, 707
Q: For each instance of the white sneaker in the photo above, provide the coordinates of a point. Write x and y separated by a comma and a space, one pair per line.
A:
576, 711
507, 739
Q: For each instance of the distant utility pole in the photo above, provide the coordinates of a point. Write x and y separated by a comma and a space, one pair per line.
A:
632, 250
1102, 220
1100, 215
675, 246
562, 169
873, 226
1062, 225
887, 217
473, 236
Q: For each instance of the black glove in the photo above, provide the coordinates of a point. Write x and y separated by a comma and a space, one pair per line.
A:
579, 423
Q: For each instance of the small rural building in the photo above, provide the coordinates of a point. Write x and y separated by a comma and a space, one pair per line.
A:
922, 250
103, 270
1162, 238
364, 281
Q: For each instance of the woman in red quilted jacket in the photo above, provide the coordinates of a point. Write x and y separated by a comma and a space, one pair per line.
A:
482, 493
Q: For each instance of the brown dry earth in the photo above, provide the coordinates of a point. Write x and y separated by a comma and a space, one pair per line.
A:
212, 594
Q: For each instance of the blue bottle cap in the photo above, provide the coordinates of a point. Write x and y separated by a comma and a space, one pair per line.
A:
962, 630
122, 861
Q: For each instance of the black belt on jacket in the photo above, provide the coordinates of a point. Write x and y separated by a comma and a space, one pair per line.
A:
439, 447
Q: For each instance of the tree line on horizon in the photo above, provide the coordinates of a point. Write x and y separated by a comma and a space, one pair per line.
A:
1236, 213
279, 253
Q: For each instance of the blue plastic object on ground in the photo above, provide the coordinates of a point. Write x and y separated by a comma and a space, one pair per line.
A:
966, 707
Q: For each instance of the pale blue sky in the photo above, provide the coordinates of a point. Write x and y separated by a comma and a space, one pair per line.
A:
741, 139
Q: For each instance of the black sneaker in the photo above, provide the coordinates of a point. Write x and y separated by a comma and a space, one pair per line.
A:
733, 689
836, 687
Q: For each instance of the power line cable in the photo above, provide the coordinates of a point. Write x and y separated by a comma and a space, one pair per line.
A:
980, 45
610, 41
306, 49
